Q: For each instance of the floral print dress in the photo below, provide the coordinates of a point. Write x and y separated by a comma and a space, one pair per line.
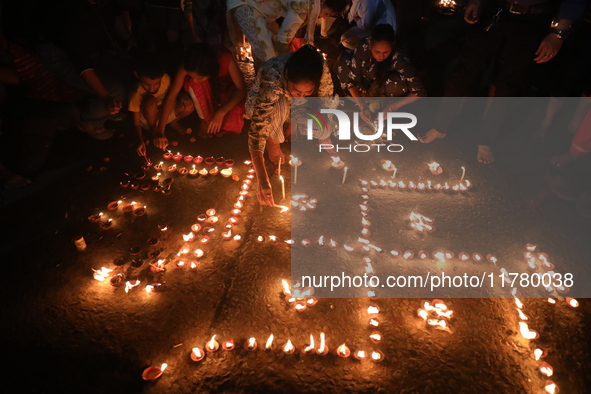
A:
359, 69
269, 103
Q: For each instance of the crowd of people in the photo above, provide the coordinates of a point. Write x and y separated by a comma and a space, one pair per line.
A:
85, 63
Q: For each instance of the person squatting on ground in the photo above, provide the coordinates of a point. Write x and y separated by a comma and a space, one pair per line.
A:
215, 84
294, 75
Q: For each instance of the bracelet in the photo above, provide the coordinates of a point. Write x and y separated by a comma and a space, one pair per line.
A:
561, 33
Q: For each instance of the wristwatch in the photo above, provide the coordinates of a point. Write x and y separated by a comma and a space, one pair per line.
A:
560, 33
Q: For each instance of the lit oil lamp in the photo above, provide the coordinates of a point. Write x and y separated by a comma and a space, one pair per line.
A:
203, 172
131, 284
102, 274
228, 345
526, 333
573, 303
551, 387
197, 354
377, 356
288, 347
309, 348
300, 305
193, 171
198, 160
373, 309
212, 345
408, 255
546, 369
539, 353
337, 164
373, 322
172, 168
322, 348
343, 351
375, 337
388, 166
360, 355
113, 205
250, 344
226, 172
158, 166
153, 373
198, 253
435, 168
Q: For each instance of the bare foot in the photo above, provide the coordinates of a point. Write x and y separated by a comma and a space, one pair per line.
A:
485, 155
202, 131
562, 160
179, 128
431, 136
275, 153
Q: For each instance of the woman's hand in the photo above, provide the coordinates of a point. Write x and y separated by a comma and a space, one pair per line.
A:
141, 149
366, 115
548, 48
265, 193
160, 141
215, 124
112, 105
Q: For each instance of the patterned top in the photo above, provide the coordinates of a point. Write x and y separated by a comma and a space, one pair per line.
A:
294, 12
360, 71
270, 87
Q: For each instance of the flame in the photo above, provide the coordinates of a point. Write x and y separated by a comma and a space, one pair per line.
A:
269, 342
433, 166
522, 316
376, 356
198, 253
129, 285
373, 309
360, 354
526, 332
188, 237
229, 344
376, 336
322, 347
546, 369
197, 352
102, 274
550, 387
193, 265
288, 347
374, 322
311, 346
335, 159
343, 350
212, 344
518, 303
321, 240
300, 307
572, 302
440, 256
538, 353
163, 367
286, 287
423, 314
251, 342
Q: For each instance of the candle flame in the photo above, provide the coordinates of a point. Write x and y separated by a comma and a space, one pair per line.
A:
322, 347
288, 347
269, 342
102, 274
212, 344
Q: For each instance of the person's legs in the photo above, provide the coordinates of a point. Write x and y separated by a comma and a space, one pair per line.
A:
149, 110
521, 39
182, 108
254, 26
477, 51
